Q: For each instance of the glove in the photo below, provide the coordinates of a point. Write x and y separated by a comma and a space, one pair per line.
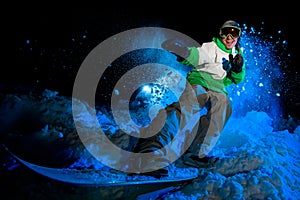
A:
176, 48
226, 65
236, 62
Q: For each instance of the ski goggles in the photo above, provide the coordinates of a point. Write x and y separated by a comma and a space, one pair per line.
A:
234, 32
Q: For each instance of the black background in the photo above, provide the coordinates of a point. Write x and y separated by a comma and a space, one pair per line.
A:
57, 47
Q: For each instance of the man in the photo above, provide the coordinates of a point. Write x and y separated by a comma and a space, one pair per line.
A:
216, 65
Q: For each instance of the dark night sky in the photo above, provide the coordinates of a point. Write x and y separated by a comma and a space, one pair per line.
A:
56, 48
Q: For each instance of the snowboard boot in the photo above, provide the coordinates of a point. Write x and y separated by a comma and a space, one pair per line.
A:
160, 173
195, 161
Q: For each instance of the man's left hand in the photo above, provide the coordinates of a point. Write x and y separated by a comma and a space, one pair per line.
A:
237, 63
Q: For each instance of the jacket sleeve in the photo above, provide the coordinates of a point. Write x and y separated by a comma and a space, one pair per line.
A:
193, 58
235, 78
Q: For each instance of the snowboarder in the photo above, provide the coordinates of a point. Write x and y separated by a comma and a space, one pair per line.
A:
215, 65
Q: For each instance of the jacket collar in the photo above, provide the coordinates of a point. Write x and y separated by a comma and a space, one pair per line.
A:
220, 44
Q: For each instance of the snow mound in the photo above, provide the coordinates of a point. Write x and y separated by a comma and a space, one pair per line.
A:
255, 163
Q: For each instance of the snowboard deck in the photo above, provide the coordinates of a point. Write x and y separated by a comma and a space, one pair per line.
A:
94, 177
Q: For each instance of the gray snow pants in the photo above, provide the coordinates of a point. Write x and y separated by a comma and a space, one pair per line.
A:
207, 130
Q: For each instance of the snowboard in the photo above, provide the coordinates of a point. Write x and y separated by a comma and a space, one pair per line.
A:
94, 177
111, 178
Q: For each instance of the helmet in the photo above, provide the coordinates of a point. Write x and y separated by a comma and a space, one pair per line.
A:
231, 28
231, 23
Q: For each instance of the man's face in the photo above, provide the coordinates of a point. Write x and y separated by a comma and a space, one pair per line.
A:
229, 41
230, 36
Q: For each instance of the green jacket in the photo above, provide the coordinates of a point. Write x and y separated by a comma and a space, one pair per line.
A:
208, 69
